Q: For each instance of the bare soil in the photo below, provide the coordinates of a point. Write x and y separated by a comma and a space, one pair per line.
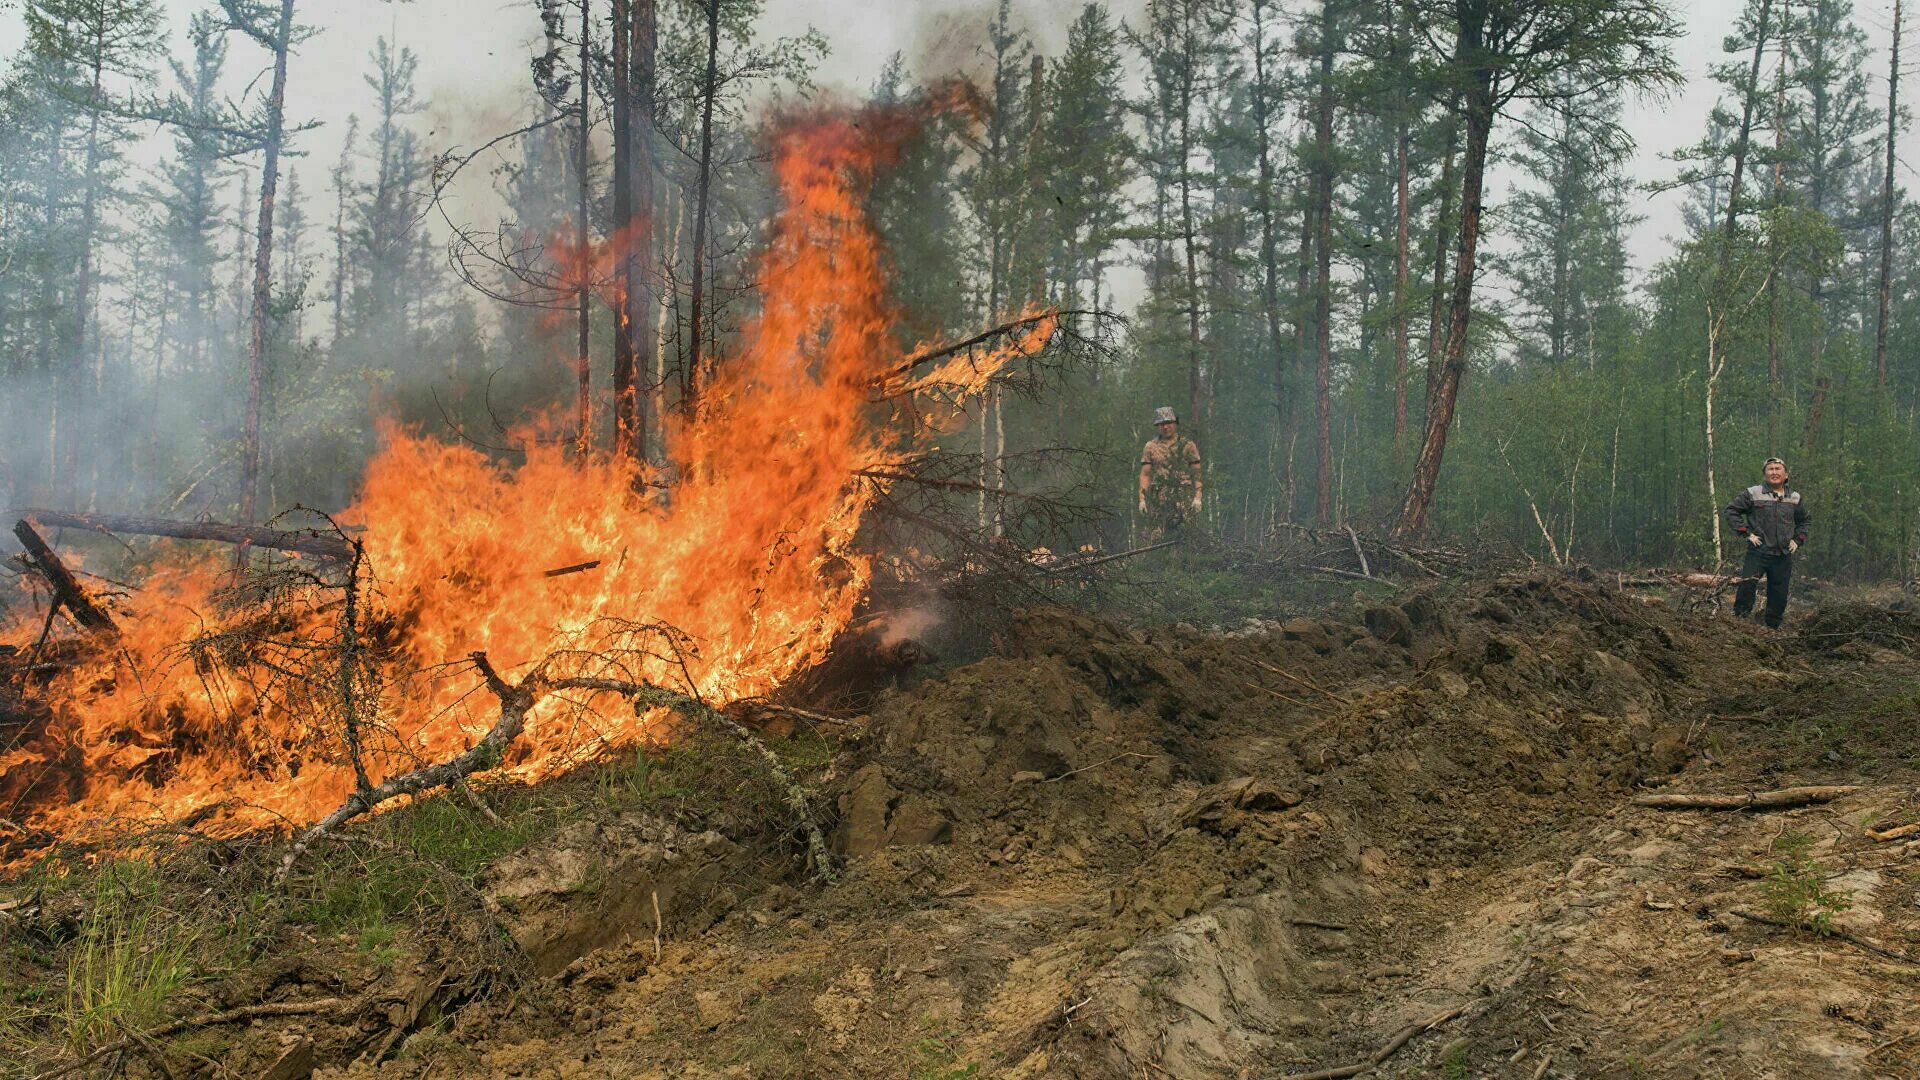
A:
1110, 852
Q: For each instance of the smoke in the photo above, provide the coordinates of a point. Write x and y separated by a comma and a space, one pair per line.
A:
908, 624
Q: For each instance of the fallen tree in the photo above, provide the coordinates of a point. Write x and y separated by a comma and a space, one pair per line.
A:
306, 543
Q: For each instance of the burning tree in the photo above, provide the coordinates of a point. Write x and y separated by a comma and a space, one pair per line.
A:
319, 687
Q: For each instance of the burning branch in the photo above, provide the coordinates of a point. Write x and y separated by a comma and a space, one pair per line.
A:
66, 588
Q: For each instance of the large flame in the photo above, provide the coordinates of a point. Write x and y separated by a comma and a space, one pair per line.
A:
723, 572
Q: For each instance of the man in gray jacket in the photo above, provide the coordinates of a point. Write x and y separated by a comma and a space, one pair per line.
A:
1774, 522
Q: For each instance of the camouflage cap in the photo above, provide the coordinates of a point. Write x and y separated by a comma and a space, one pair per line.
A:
1164, 415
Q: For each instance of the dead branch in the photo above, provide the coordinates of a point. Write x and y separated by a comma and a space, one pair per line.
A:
306, 543
1365, 570
1081, 564
1783, 799
66, 587
687, 705
1833, 932
1005, 329
1899, 833
232, 1016
1298, 681
1401, 1038
515, 700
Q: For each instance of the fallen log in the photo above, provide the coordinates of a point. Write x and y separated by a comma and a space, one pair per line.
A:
1783, 799
1898, 833
306, 543
66, 588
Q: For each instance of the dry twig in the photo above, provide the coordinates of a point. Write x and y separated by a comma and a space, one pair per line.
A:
1404, 1036
232, 1016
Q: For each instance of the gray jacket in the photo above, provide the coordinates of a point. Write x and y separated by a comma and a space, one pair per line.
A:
1775, 517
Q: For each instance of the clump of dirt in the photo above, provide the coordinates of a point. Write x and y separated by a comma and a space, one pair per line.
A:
1115, 851
1848, 626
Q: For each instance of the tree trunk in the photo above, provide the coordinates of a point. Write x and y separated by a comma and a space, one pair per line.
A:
1480, 108
639, 293
1743, 136
1400, 268
83, 279
582, 233
1442, 218
709, 86
1323, 267
1886, 208
263, 266
625, 415
1269, 241
1187, 238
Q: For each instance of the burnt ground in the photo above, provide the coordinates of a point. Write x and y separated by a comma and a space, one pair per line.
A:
1110, 852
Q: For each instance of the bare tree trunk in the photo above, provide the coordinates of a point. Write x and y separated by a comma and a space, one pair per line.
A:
1442, 218
1400, 268
1774, 380
582, 226
625, 416
1480, 108
1269, 251
263, 266
1323, 266
639, 295
1886, 207
1194, 390
709, 86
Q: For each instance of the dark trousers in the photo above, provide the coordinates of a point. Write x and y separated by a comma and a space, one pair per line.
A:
1777, 568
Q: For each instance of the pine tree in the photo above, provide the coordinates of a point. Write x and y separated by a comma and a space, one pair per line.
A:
1571, 270
189, 193
82, 48
1088, 156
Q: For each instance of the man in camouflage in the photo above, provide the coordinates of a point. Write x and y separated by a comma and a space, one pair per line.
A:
1169, 478
1774, 521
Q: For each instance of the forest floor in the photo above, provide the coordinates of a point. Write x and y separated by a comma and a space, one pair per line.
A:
1260, 851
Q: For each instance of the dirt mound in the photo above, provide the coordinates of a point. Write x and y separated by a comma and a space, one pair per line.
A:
1858, 629
1112, 852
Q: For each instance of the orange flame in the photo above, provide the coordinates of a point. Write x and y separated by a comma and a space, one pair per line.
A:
724, 571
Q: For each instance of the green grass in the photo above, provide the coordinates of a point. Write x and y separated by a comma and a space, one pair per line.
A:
936, 1058
130, 960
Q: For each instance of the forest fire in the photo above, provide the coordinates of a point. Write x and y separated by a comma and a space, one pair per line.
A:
718, 575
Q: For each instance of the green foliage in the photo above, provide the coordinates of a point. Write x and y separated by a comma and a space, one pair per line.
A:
1795, 891
936, 1058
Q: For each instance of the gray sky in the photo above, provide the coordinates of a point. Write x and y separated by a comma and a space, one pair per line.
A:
473, 69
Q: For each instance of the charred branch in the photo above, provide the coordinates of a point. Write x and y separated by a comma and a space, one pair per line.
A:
66, 588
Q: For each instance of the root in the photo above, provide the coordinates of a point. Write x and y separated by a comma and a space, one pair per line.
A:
233, 1016
1401, 1038
1835, 933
